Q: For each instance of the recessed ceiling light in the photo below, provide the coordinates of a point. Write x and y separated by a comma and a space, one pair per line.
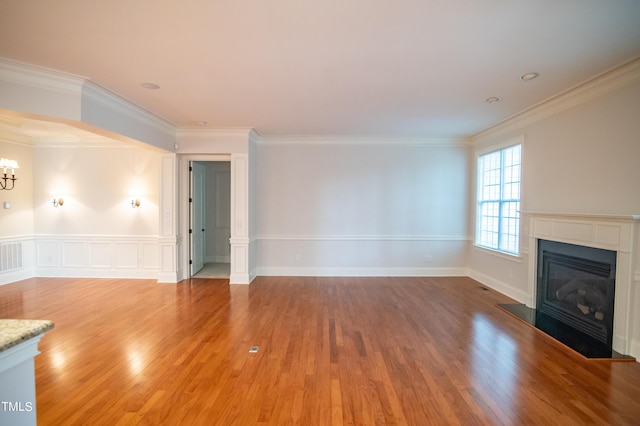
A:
151, 86
529, 76
493, 99
201, 123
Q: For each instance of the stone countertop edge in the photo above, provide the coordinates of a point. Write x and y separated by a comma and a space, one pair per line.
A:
15, 331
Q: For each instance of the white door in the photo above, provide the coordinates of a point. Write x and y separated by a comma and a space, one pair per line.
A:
197, 229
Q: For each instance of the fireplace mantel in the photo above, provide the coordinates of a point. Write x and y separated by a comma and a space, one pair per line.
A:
619, 233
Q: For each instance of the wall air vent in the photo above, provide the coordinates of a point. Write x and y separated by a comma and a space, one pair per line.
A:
10, 256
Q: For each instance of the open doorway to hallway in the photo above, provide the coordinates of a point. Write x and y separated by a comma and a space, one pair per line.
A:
210, 219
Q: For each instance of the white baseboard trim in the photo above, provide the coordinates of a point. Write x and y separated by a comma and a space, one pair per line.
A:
241, 278
635, 350
11, 277
361, 272
502, 287
167, 277
96, 273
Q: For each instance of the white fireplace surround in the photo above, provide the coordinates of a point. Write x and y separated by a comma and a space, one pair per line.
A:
617, 233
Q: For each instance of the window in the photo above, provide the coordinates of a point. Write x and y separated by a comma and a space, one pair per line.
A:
498, 210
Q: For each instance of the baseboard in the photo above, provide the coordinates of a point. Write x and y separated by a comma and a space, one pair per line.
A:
499, 286
167, 277
360, 272
242, 278
11, 277
635, 350
98, 273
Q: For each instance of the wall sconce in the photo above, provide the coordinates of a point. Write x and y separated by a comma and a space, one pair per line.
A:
8, 164
57, 201
135, 198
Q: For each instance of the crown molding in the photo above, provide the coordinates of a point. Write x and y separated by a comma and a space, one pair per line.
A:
595, 87
190, 133
254, 137
117, 103
43, 78
361, 140
15, 138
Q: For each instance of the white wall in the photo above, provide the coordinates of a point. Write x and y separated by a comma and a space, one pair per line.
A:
326, 207
317, 206
585, 160
96, 233
95, 183
579, 159
17, 220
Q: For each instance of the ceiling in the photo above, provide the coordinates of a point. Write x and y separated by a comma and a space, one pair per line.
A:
43, 133
411, 68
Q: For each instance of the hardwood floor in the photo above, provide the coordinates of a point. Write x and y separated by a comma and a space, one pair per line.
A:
335, 351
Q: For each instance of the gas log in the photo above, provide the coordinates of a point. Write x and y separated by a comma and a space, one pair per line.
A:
588, 298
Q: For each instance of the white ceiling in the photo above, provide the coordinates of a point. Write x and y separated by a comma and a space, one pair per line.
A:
39, 133
409, 68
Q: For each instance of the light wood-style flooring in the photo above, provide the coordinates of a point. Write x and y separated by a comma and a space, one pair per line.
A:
333, 351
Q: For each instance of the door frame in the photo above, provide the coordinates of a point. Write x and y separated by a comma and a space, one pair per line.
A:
197, 201
184, 204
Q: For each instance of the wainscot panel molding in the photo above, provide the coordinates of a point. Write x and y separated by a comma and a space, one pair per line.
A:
16, 259
239, 220
168, 239
168, 269
182, 270
239, 273
96, 256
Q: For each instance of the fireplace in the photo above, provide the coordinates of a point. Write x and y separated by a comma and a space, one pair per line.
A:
614, 274
576, 286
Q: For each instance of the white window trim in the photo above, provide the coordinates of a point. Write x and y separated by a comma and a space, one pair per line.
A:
483, 150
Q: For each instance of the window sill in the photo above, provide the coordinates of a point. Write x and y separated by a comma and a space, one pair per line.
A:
517, 258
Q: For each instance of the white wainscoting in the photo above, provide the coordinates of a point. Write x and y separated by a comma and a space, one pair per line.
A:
96, 256
16, 259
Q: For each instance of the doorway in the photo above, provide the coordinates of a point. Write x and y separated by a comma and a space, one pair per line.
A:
210, 219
